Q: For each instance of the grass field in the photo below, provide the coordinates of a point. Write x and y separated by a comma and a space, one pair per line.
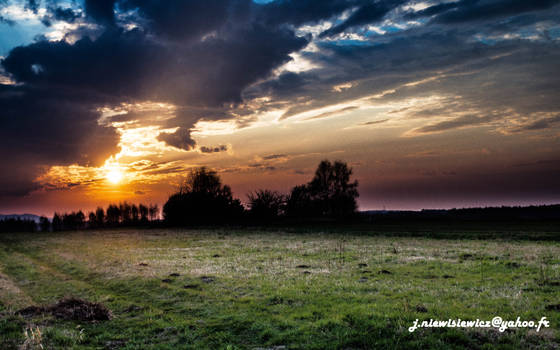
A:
292, 289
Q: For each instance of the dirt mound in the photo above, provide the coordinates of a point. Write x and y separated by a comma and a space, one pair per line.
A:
71, 309
80, 310
31, 311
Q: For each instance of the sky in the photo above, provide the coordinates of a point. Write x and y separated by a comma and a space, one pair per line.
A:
434, 104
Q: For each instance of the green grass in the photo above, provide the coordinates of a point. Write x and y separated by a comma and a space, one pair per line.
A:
302, 289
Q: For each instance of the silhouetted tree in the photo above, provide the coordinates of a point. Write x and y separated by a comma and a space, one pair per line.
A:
73, 221
202, 180
143, 213
92, 220
126, 213
330, 193
202, 199
134, 213
332, 188
300, 203
265, 204
99, 217
57, 224
80, 220
113, 215
44, 224
153, 212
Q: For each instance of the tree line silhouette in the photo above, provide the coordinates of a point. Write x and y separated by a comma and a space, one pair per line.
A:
18, 225
116, 215
202, 199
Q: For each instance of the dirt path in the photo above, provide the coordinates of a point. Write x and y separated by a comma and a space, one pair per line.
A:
11, 296
64, 284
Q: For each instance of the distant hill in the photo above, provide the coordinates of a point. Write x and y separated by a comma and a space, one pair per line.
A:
20, 216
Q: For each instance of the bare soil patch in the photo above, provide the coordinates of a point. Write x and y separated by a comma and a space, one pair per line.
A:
70, 309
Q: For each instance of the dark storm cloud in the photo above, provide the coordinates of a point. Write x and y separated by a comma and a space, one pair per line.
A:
53, 125
64, 14
298, 12
225, 66
483, 10
477, 10
179, 19
60, 14
439, 8
50, 117
208, 57
115, 64
368, 13
286, 85
102, 11
44, 126
128, 65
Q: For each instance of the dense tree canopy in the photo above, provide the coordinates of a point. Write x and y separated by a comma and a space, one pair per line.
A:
202, 199
265, 204
330, 193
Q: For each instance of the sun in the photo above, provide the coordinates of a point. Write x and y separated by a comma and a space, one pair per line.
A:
115, 176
